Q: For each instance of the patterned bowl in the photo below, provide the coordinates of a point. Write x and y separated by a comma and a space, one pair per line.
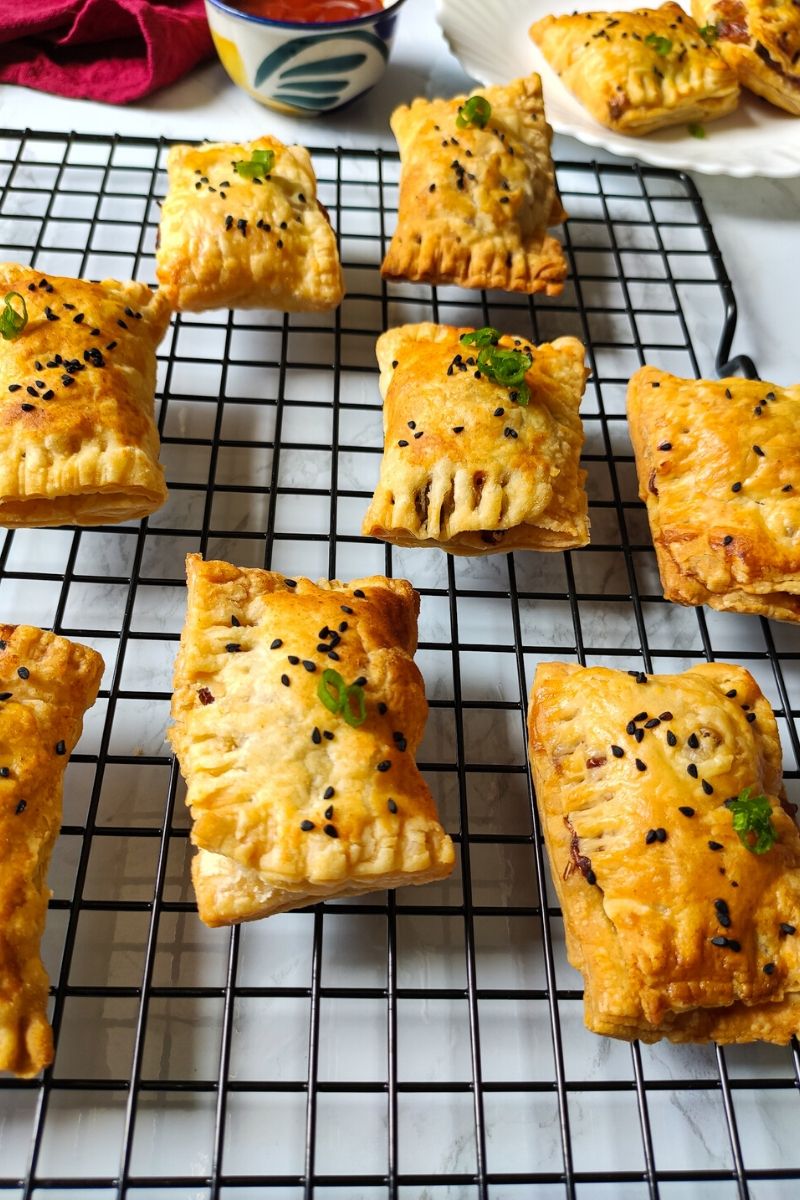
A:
300, 68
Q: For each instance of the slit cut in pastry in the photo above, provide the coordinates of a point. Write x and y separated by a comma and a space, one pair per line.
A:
475, 203
465, 466
638, 71
680, 929
291, 801
760, 41
78, 443
252, 240
47, 685
719, 470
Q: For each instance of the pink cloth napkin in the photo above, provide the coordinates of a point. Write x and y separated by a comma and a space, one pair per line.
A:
111, 50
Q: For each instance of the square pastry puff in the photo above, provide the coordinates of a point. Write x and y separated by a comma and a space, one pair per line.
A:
679, 927
638, 71
465, 466
294, 799
78, 444
232, 240
719, 470
47, 684
475, 202
760, 40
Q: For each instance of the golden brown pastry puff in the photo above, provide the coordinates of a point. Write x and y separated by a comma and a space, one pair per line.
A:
241, 227
470, 464
477, 192
719, 470
760, 40
676, 864
47, 684
638, 71
297, 712
78, 444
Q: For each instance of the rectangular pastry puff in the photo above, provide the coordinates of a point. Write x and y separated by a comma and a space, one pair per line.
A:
292, 803
679, 929
638, 71
467, 468
760, 41
475, 203
719, 470
228, 240
78, 443
47, 685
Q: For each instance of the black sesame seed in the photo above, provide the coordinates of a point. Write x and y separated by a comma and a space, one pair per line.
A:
384, 766
279, 244
590, 877
420, 432
23, 672
28, 407
275, 644
786, 929
326, 733
5, 695
787, 487
78, 318
48, 395
5, 772
328, 794
293, 659
719, 940
757, 450
345, 609
342, 626
638, 735
306, 826
330, 830
751, 717
652, 723
23, 804
650, 837
693, 741
510, 433
121, 323
727, 393
402, 442
736, 487
51, 316
392, 807
285, 680
456, 429
310, 666
770, 396
290, 582
768, 968
228, 222
498, 412
362, 679
328, 812
400, 741
715, 846
665, 716
61, 748
67, 380
671, 738
32, 391
111, 346
333, 655
630, 727
665, 446
14, 387
617, 751
361, 595
661, 834
316, 736
707, 788
640, 766
692, 770
382, 709
731, 694
412, 424
686, 809
233, 647
734, 945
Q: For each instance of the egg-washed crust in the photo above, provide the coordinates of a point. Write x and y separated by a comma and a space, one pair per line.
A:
226, 241
255, 756
78, 443
640, 912
41, 716
760, 41
459, 474
475, 204
719, 470
629, 85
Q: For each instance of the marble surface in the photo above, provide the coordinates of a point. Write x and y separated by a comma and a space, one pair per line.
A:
756, 224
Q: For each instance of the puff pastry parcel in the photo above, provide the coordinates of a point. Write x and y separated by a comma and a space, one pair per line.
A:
47, 684
760, 40
475, 203
78, 443
294, 800
232, 240
638, 71
465, 466
680, 929
719, 470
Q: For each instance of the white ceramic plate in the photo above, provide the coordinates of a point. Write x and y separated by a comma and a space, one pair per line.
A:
490, 40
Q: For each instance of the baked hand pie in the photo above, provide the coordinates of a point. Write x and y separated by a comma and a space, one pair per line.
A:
760, 41
674, 855
719, 470
297, 711
638, 71
78, 443
241, 227
471, 464
477, 192
47, 684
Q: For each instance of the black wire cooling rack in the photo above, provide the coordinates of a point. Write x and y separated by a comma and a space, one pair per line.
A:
429, 1042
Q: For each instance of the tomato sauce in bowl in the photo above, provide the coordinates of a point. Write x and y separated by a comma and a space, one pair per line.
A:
309, 11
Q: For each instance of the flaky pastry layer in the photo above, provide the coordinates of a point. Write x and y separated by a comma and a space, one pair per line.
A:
760, 41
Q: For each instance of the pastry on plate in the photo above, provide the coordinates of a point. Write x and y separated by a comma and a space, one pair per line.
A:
638, 71
47, 685
719, 470
241, 227
477, 192
298, 710
760, 40
672, 848
78, 443
482, 442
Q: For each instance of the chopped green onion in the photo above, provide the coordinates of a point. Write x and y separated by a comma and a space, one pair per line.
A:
12, 322
709, 34
696, 130
661, 45
503, 366
339, 698
481, 337
475, 111
333, 701
359, 716
264, 156
752, 820
260, 164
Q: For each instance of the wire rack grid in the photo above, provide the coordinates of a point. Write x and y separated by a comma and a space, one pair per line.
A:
429, 1042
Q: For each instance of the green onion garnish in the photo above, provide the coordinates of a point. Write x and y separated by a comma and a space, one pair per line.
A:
696, 130
661, 45
506, 367
475, 111
12, 322
708, 33
259, 164
339, 698
752, 820
481, 337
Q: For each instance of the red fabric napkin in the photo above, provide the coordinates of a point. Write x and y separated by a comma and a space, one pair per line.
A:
111, 50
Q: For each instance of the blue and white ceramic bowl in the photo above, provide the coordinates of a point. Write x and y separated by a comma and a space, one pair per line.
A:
300, 68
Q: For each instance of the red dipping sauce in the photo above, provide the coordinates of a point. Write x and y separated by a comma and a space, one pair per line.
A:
310, 11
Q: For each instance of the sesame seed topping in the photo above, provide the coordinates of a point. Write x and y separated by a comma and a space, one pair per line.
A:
23, 672
342, 626
640, 766
306, 826
652, 723
328, 794
768, 968
382, 709
617, 751
316, 736
638, 735
693, 741
727, 393
14, 387
402, 442
786, 929
78, 318
5, 695
326, 733
61, 748
285, 680
392, 807
692, 770
751, 716
28, 407
787, 487
293, 659
650, 837
715, 846
665, 716
384, 765
345, 609
23, 804
456, 429
498, 412
331, 831
706, 786
509, 432
671, 738
590, 877
290, 582
686, 809
361, 595
5, 772
275, 644
630, 728
665, 446
757, 450
736, 487
311, 666
233, 647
